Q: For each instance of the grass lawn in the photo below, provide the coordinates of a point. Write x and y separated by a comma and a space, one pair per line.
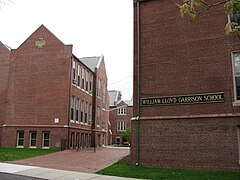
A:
123, 169
12, 154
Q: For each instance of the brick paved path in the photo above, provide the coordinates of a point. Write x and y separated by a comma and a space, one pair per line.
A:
84, 160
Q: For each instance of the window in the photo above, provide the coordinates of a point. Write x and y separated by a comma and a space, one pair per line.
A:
99, 88
90, 114
20, 138
86, 112
46, 139
82, 111
78, 78
98, 116
83, 77
86, 81
104, 95
235, 21
33, 139
121, 111
74, 70
103, 125
236, 63
121, 126
90, 84
77, 110
72, 108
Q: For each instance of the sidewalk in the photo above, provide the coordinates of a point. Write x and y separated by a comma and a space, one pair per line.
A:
47, 173
84, 160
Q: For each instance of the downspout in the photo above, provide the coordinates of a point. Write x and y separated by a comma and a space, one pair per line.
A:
138, 84
94, 99
69, 103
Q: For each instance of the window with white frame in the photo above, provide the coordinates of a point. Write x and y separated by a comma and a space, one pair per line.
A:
121, 111
83, 78
74, 70
78, 78
234, 20
98, 116
86, 112
90, 113
20, 138
104, 96
87, 81
46, 140
90, 83
236, 64
72, 108
77, 110
99, 88
33, 139
82, 111
121, 125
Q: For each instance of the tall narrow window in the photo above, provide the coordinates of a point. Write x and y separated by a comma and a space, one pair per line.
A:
121, 125
33, 139
74, 70
99, 88
98, 116
79, 72
46, 139
90, 84
83, 78
82, 111
236, 63
87, 80
90, 114
72, 107
20, 138
77, 110
86, 112
104, 96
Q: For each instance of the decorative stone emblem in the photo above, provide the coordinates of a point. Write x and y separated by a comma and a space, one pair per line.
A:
40, 43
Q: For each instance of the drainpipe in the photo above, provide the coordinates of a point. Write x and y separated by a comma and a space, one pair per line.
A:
138, 83
69, 102
94, 103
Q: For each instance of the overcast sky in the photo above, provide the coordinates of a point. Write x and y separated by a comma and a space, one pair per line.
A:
93, 27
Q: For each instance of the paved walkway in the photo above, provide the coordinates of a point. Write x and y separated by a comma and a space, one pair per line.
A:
68, 164
52, 174
84, 160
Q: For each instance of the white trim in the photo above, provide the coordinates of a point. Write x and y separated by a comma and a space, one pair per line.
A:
99, 61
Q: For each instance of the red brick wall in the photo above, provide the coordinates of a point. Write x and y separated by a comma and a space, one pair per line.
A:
208, 143
56, 135
114, 118
4, 74
39, 81
181, 58
104, 114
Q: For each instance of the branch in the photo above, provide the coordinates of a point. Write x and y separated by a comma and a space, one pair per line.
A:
208, 6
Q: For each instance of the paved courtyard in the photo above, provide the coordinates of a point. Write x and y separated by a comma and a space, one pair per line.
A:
84, 160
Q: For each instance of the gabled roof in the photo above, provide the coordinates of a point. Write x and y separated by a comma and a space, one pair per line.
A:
42, 27
128, 102
113, 97
5, 46
92, 62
